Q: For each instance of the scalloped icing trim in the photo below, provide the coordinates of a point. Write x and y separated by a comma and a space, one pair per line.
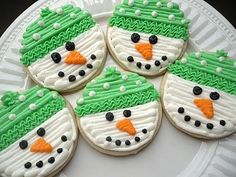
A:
54, 42
204, 78
150, 27
123, 101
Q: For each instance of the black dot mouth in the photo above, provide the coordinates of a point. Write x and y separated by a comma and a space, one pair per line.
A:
147, 66
126, 142
198, 123
81, 73
51, 159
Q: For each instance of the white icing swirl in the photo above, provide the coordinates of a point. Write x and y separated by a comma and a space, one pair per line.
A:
179, 93
97, 128
45, 71
122, 46
13, 158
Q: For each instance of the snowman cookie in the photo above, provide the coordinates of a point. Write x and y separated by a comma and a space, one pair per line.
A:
144, 36
38, 133
63, 49
199, 94
119, 113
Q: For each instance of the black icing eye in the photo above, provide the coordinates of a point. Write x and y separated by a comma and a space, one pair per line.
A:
70, 46
109, 116
214, 95
197, 90
23, 144
41, 132
56, 57
135, 37
127, 113
153, 39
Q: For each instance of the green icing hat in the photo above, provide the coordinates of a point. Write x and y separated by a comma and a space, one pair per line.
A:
115, 90
22, 112
51, 30
210, 69
152, 17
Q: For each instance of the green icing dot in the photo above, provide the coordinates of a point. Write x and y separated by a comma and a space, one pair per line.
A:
9, 98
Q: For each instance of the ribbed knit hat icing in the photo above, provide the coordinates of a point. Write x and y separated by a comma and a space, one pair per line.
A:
22, 112
213, 69
51, 30
115, 90
152, 17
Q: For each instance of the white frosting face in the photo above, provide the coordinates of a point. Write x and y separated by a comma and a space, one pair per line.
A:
143, 118
45, 71
179, 93
122, 46
13, 158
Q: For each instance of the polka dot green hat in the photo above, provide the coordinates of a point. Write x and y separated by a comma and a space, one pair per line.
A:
115, 90
51, 30
213, 69
157, 17
22, 112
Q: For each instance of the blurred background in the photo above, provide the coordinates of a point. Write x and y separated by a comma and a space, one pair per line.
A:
11, 9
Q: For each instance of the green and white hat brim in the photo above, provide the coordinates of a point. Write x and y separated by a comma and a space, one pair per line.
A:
151, 17
208, 68
113, 91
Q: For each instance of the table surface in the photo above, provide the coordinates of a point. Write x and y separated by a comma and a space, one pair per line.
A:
10, 10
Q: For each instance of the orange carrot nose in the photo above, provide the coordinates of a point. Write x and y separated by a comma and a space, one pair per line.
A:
126, 125
206, 106
74, 57
41, 146
145, 49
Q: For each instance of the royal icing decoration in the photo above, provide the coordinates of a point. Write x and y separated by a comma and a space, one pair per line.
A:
37, 141
138, 46
67, 56
123, 117
202, 100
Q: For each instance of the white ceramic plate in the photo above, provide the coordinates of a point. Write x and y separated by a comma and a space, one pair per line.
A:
172, 153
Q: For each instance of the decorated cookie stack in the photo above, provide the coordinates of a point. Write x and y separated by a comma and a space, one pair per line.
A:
144, 36
119, 113
199, 94
63, 49
37, 133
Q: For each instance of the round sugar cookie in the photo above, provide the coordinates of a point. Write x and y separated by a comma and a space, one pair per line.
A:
38, 133
199, 94
63, 49
145, 36
119, 113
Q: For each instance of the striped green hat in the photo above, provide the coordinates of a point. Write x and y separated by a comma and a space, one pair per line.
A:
22, 112
158, 17
113, 91
208, 68
51, 30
